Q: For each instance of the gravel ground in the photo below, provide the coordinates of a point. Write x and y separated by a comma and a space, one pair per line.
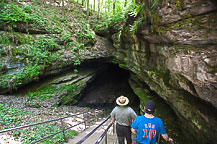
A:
41, 111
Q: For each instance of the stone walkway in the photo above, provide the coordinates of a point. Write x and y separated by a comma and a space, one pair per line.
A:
111, 136
95, 136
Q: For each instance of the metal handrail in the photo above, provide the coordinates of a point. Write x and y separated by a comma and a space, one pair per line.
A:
25, 126
103, 134
90, 133
61, 131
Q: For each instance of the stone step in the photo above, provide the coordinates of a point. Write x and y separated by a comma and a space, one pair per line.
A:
111, 135
94, 137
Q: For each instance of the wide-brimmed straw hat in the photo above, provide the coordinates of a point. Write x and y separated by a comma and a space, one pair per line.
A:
122, 100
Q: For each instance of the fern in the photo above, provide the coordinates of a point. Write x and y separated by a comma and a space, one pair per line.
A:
135, 25
155, 3
138, 9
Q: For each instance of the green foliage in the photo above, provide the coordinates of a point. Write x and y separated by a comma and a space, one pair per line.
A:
45, 44
138, 9
116, 19
109, 22
40, 51
69, 88
4, 40
70, 96
28, 10
75, 46
214, 41
7, 38
135, 25
66, 36
2, 4
45, 93
31, 72
75, 71
154, 4
12, 117
155, 26
39, 54
12, 80
178, 4
61, 51
49, 91
12, 13
77, 62
20, 38
85, 35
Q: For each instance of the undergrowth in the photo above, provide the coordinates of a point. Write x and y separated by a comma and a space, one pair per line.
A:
37, 53
50, 90
13, 117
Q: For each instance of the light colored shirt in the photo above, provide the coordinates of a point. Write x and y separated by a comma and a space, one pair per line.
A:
123, 115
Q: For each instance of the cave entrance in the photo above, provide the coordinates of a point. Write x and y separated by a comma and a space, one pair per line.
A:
110, 83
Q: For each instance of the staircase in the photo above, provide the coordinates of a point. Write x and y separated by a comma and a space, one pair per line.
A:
110, 138
95, 136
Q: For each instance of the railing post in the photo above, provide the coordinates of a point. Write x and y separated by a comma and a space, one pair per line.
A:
85, 124
158, 141
95, 116
106, 138
63, 129
113, 128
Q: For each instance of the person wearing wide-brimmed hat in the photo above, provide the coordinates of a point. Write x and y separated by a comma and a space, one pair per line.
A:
124, 116
147, 127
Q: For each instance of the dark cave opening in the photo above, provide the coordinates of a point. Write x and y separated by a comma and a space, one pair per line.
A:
110, 83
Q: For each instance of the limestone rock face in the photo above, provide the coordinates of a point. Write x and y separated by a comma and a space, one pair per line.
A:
197, 67
16, 57
177, 58
35, 42
80, 80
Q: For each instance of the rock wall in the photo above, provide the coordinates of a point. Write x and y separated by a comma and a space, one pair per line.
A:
174, 52
36, 41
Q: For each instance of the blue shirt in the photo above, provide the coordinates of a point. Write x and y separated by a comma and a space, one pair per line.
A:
148, 129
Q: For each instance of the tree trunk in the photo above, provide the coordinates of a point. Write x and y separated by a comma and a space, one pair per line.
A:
114, 7
88, 8
102, 5
94, 5
98, 8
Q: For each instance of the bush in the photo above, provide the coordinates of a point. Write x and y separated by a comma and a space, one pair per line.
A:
12, 13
